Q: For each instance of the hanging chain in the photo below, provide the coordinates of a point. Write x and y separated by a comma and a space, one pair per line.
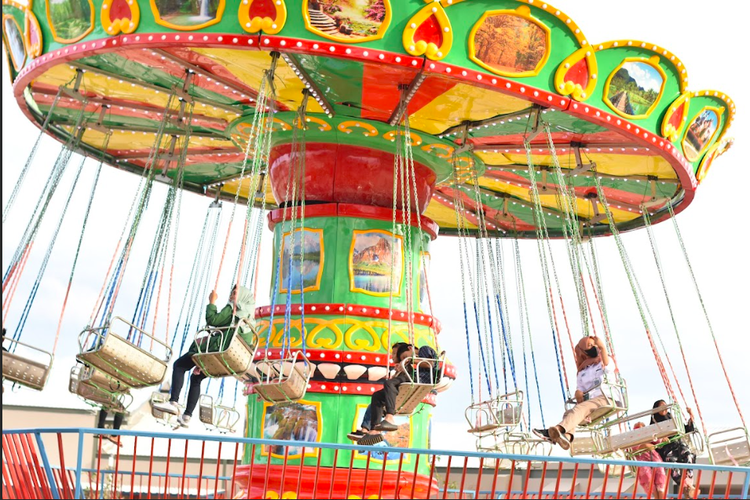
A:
703, 307
631, 279
657, 260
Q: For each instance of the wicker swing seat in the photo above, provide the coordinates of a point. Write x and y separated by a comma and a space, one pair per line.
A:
122, 359
25, 371
413, 392
235, 360
729, 447
284, 379
486, 417
81, 384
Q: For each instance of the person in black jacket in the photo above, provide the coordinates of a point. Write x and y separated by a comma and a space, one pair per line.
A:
677, 451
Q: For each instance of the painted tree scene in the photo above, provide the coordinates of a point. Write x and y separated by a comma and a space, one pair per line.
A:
510, 44
70, 18
634, 88
188, 12
290, 422
302, 256
347, 19
373, 261
699, 133
14, 39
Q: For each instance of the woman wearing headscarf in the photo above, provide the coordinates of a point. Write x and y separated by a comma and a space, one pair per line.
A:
593, 363
241, 306
677, 451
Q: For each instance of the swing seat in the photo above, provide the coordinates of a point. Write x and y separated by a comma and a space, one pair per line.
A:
122, 359
513, 443
92, 394
647, 434
284, 379
160, 416
729, 447
213, 416
590, 442
25, 371
227, 419
235, 360
488, 416
92, 376
411, 393
617, 398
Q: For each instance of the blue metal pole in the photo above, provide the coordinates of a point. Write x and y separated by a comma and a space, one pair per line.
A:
746, 486
79, 464
47, 468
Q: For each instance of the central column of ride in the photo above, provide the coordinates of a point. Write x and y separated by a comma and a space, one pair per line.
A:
337, 303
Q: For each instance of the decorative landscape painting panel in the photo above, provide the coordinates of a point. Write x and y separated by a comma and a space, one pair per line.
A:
348, 20
303, 255
510, 44
375, 256
298, 421
634, 88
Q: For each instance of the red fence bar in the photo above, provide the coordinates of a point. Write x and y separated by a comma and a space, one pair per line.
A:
301, 466
447, 475
349, 473
557, 483
382, 475
682, 484
250, 472
432, 474
166, 469
151, 467
397, 488
729, 485
283, 469
333, 473
526, 479
42, 477
713, 483
414, 477
591, 478
18, 483
635, 483
573, 483
132, 475
99, 465
510, 478
234, 472
604, 483
184, 469
698, 482
200, 470
117, 466
64, 478
651, 482
216, 476
367, 473
317, 474
541, 481
622, 478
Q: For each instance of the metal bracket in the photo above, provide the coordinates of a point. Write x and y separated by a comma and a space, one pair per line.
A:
580, 166
316, 93
99, 124
465, 144
536, 111
598, 216
74, 93
407, 92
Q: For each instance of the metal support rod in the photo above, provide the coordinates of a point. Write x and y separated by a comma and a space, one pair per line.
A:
407, 93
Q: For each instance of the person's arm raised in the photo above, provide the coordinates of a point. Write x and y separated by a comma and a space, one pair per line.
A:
602, 350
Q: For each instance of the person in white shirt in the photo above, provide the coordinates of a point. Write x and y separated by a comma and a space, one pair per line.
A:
593, 363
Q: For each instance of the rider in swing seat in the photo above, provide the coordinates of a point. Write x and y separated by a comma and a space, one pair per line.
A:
242, 302
593, 363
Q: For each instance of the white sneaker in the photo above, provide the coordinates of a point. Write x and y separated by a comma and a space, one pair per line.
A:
184, 420
168, 407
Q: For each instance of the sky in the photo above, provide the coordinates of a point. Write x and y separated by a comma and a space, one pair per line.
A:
713, 228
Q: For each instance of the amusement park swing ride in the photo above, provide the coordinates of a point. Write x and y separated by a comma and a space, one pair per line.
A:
358, 131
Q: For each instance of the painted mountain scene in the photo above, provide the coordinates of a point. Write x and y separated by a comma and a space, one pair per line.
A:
634, 88
372, 262
303, 256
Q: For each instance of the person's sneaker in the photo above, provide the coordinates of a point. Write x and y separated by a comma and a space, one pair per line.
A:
386, 426
168, 407
370, 439
541, 433
356, 435
559, 438
183, 420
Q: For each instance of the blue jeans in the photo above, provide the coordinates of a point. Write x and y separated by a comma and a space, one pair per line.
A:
366, 420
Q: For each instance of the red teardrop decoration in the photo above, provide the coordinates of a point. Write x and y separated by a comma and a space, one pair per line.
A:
119, 10
33, 35
676, 119
578, 73
429, 31
262, 9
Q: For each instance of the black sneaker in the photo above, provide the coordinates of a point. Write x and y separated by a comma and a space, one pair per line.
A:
386, 426
370, 439
356, 435
542, 433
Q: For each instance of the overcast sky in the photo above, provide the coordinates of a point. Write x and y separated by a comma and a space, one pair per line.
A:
714, 229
